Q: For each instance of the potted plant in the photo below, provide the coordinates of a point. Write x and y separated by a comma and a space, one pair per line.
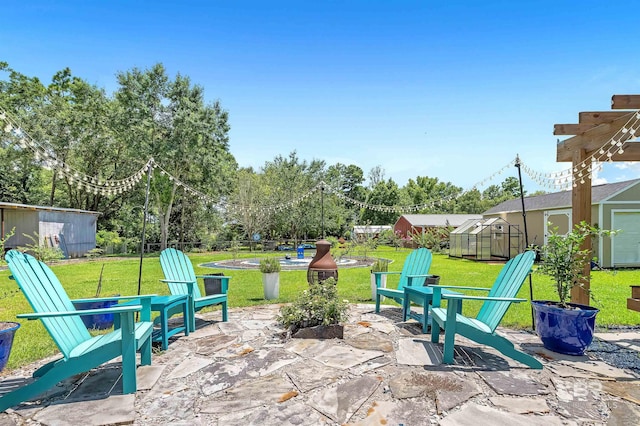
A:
96, 321
270, 268
316, 313
379, 266
562, 326
7, 328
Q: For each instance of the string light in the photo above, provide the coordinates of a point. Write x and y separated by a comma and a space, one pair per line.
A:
563, 180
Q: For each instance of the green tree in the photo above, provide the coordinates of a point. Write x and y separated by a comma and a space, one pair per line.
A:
248, 203
507, 190
170, 121
20, 96
288, 179
438, 197
347, 181
383, 194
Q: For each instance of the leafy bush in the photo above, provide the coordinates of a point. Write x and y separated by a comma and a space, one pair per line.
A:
3, 241
104, 238
269, 265
43, 253
333, 241
318, 305
565, 261
391, 238
93, 253
432, 238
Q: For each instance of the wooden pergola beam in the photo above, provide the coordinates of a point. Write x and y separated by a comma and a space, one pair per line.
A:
600, 117
631, 152
625, 102
571, 129
590, 140
578, 149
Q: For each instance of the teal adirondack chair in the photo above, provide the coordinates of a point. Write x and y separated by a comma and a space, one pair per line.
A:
414, 271
80, 351
182, 279
482, 328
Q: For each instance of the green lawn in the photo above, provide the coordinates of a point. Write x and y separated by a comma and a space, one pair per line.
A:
121, 277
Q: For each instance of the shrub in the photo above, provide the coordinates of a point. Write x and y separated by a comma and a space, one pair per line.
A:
43, 253
318, 305
565, 260
3, 240
105, 238
432, 238
269, 265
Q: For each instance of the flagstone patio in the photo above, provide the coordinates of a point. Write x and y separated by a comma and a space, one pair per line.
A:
384, 371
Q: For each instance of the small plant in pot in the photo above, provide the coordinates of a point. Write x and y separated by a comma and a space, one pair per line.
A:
562, 326
378, 269
317, 312
270, 268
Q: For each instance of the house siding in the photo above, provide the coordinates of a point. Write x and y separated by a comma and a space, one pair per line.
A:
619, 196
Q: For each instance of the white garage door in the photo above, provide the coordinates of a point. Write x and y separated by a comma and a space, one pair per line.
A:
626, 244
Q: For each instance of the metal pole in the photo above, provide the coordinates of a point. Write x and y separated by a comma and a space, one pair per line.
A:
526, 237
144, 222
322, 208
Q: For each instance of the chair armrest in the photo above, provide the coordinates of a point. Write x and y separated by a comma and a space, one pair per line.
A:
387, 273
105, 299
460, 287
178, 281
112, 310
495, 299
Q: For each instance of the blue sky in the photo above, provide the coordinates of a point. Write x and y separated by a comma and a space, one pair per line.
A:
446, 89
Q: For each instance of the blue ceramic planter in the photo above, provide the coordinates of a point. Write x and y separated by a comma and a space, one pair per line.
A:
566, 331
99, 321
7, 331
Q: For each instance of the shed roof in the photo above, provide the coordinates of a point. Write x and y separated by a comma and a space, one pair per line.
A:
15, 206
439, 219
555, 200
370, 229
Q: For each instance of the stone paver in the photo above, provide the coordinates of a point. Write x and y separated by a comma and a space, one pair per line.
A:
384, 371
474, 415
117, 409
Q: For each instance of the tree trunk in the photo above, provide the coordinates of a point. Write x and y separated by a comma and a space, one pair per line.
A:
164, 218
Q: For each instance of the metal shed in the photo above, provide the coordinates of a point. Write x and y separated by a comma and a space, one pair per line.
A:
73, 230
485, 239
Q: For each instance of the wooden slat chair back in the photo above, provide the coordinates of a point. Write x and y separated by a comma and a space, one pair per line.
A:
178, 270
507, 285
414, 271
80, 351
182, 279
482, 328
45, 293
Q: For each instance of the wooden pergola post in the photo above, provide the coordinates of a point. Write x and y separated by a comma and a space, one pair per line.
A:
581, 210
595, 129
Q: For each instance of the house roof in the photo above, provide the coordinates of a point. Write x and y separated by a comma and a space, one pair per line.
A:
370, 229
555, 200
439, 219
15, 206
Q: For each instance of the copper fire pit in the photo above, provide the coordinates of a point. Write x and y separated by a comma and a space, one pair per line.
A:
322, 265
